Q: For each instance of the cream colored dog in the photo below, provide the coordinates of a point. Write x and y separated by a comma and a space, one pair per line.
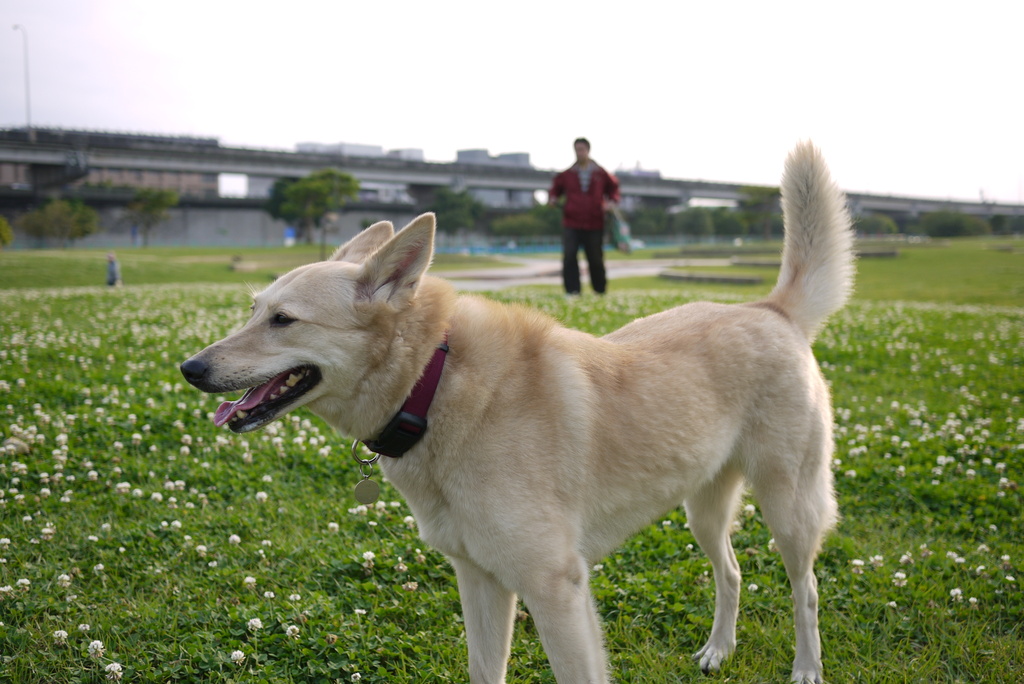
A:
546, 446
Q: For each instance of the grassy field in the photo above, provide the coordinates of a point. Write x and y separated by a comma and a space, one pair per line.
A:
160, 265
138, 539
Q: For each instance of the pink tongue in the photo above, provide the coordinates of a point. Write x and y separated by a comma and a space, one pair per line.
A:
252, 397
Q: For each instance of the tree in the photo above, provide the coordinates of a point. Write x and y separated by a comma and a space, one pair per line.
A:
953, 224
539, 220
6, 234
456, 210
648, 221
728, 222
876, 224
696, 221
62, 220
308, 199
275, 202
148, 208
757, 204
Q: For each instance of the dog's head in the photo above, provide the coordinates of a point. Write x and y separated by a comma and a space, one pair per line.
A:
316, 331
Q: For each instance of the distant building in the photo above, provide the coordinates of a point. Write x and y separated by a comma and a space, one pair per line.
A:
482, 156
406, 154
342, 149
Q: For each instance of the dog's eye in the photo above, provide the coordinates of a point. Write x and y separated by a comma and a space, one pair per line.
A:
280, 319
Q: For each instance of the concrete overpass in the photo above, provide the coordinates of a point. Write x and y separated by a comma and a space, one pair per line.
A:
52, 158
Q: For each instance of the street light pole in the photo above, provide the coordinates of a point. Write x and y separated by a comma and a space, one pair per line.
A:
28, 97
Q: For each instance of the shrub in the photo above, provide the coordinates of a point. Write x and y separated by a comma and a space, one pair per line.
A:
876, 224
953, 224
696, 221
6, 233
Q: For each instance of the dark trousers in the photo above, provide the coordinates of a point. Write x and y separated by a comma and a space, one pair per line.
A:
592, 243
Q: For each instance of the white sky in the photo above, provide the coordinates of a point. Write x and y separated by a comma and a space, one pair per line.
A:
904, 96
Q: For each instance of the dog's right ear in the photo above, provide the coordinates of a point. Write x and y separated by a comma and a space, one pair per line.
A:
365, 243
393, 273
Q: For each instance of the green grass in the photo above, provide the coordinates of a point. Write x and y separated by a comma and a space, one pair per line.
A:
930, 439
162, 265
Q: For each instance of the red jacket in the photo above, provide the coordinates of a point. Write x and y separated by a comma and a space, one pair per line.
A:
584, 210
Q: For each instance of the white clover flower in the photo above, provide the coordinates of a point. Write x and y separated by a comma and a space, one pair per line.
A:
254, 624
899, 579
98, 568
237, 657
956, 594
84, 627
234, 539
261, 497
858, 566
249, 582
356, 676
409, 521
877, 561
60, 636
294, 597
891, 604
269, 595
369, 556
201, 550
411, 586
96, 649
752, 588
360, 611
292, 631
23, 584
64, 581
113, 671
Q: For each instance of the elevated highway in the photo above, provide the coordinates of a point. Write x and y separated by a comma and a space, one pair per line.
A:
51, 160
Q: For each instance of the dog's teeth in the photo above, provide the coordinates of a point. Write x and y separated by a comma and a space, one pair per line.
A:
283, 389
241, 414
293, 378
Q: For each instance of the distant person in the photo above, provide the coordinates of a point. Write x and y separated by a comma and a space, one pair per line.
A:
113, 270
589, 192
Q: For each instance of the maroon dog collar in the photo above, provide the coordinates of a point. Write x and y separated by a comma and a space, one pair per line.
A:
410, 423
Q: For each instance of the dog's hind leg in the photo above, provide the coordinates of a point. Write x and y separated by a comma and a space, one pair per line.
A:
558, 597
799, 511
488, 609
710, 513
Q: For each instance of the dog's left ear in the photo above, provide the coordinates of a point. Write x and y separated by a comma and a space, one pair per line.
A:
365, 243
394, 271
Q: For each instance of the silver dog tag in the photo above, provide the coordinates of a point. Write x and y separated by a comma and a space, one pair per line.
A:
367, 492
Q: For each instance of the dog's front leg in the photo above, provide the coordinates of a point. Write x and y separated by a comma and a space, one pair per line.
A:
487, 610
560, 604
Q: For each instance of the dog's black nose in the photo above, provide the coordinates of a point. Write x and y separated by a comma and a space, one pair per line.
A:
194, 370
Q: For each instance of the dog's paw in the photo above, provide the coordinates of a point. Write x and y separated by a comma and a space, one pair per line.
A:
712, 655
806, 676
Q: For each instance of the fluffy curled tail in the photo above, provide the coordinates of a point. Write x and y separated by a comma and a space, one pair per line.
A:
816, 277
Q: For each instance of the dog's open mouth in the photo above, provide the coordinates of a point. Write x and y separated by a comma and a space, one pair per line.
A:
263, 403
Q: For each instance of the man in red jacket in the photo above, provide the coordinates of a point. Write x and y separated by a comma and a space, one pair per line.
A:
589, 191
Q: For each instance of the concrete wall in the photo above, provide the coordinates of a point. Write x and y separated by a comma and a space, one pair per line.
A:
206, 227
